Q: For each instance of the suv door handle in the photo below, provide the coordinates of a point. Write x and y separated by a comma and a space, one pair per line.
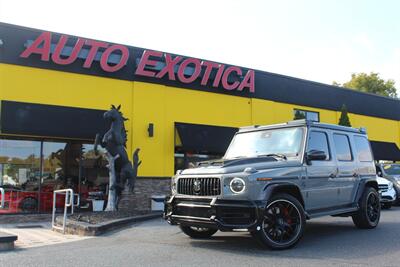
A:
355, 174
334, 174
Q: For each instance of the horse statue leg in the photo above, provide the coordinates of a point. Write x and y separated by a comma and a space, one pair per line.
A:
98, 141
127, 177
113, 186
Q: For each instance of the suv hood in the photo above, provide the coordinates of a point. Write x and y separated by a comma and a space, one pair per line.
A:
393, 176
239, 165
382, 181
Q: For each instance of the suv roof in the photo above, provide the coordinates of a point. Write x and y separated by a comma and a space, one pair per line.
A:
306, 123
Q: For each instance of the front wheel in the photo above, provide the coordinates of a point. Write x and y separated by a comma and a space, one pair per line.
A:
197, 232
283, 223
367, 217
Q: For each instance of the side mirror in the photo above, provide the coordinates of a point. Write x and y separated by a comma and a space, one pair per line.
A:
315, 155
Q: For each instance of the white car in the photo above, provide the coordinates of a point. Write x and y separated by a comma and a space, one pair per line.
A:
388, 193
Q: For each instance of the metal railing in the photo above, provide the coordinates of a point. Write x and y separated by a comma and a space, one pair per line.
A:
2, 192
69, 202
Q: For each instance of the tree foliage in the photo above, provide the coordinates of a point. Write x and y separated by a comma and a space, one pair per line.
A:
370, 83
344, 119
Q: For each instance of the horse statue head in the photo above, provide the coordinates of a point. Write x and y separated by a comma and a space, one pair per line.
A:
116, 118
114, 114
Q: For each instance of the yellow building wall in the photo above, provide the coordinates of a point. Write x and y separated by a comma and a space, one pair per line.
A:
144, 103
163, 106
378, 129
270, 112
33, 85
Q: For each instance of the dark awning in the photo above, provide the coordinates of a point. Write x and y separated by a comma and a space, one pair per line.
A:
51, 121
197, 138
385, 151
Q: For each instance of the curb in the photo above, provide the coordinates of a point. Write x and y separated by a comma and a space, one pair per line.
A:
7, 241
87, 229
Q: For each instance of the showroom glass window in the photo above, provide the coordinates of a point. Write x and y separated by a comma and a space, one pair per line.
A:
300, 114
20, 174
94, 171
53, 177
74, 165
363, 149
342, 145
319, 141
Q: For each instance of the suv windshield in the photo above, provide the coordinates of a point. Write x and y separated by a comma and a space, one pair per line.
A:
285, 142
392, 169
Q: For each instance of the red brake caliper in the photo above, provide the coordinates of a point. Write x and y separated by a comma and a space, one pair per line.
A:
286, 213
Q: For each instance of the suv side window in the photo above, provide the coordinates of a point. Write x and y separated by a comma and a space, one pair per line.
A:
363, 149
342, 145
319, 141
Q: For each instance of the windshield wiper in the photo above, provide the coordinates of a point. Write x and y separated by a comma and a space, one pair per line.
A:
277, 155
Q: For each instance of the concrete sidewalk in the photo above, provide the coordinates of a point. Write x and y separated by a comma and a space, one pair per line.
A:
37, 235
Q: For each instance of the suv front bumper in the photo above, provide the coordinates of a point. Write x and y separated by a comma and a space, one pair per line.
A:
224, 215
388, 195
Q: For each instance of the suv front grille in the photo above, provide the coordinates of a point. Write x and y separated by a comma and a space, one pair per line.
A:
383, 187
199, 186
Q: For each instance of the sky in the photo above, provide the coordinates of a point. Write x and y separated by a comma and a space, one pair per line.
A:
318, 40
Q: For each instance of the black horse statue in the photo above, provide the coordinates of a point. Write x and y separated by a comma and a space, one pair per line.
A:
114, 141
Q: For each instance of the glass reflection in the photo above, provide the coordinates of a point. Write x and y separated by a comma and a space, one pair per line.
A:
30, 178
20, 175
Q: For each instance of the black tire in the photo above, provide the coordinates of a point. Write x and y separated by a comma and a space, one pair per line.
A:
367, 217
397, 201
283, 223
29, 204
197, 232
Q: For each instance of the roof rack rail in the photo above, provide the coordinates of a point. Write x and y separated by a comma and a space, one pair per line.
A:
363, 130
301, 121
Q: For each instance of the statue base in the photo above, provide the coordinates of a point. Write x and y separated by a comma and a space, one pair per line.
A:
145, 188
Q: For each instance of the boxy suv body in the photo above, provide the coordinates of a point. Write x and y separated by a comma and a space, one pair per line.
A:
273, 178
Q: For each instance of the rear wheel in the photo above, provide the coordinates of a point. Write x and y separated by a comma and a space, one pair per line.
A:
367, 217
198, 232
29, 204
283, 223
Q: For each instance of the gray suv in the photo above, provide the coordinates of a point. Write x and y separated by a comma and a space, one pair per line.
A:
274, 178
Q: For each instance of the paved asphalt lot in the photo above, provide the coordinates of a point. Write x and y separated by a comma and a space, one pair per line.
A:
327, 242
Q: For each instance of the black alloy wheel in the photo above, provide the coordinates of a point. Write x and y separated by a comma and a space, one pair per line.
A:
29, 204
283, 223
369, 212
373, 207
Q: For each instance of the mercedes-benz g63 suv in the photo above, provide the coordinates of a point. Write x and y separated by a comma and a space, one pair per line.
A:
274, 178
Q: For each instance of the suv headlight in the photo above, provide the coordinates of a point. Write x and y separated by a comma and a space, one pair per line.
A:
237, 185
173, 185
390, 186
